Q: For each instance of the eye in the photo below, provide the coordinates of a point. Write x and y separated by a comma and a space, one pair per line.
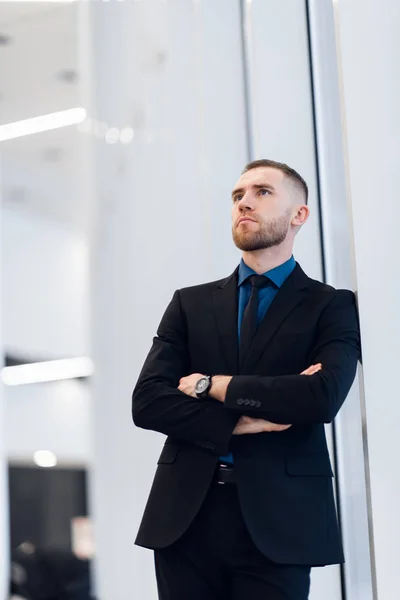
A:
237, 197
264, 191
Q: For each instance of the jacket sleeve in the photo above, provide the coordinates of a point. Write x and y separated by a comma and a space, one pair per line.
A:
158, 405
307, 399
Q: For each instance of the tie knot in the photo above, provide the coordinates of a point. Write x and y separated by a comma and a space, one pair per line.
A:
259, 281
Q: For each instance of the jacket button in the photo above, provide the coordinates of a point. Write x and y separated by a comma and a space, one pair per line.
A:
258, 404
246, 402
252, 403
240, 401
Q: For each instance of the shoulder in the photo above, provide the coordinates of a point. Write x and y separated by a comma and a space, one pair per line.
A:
328, 290
319, 287
206, 288
335, 309
327, 296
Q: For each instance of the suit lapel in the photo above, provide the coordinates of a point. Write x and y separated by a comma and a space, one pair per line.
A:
226, 315
288, 297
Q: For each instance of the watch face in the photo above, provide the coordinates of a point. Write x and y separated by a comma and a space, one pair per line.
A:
202, 385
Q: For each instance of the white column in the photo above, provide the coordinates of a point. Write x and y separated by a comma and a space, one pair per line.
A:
173, 72
369, 46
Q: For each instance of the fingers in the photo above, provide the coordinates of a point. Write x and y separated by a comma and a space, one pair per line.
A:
247, 425
246, 419
190, 378
275, 427
187, 384
265, 425
312, 370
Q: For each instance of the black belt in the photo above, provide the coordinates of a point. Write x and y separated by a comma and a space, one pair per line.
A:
225, 473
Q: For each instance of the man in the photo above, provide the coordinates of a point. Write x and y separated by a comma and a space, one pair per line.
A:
242, 503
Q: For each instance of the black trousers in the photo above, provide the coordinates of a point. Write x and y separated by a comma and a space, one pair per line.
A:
217, 560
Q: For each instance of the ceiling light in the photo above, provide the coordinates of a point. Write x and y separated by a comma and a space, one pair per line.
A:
43, 123
112, 135
45, 458
126, 135
53, 370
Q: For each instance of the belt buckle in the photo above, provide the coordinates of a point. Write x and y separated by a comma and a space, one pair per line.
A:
222, 466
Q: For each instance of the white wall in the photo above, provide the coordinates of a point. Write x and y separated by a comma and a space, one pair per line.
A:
45, 315
52, 416
370, 50
37, 187
45, 281
45, 287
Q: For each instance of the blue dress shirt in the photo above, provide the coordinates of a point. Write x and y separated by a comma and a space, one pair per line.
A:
265, 296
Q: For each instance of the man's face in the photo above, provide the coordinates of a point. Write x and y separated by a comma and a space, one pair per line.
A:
262, 209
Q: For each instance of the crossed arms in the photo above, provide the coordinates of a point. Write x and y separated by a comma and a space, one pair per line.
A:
245, 424
158, 403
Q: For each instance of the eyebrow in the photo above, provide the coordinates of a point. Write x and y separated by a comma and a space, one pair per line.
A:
256, 186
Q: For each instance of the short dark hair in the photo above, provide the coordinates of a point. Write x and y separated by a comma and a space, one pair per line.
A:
290, 173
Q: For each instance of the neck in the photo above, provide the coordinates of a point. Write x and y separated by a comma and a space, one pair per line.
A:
264, 260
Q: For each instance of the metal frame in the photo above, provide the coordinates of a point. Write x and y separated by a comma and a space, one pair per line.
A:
246, 69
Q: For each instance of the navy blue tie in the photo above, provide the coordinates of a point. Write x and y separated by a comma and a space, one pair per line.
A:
250, 317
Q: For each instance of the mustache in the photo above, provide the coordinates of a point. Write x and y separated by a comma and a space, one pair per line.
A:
246, 216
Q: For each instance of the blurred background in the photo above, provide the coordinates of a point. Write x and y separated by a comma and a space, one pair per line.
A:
45, 304
123, 126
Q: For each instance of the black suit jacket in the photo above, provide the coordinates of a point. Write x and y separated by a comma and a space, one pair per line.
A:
284, 479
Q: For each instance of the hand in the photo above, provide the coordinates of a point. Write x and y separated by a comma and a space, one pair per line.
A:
186, 384
312, 370
247, 425
219, 387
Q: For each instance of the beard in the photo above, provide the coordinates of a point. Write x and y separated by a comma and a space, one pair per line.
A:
272, 233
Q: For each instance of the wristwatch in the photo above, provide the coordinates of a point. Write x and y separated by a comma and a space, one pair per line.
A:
203, 386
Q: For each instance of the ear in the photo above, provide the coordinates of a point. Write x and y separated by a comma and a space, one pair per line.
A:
301, 214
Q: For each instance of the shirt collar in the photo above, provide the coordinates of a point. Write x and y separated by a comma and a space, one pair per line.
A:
278, 275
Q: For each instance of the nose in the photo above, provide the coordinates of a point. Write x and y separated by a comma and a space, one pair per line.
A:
245, 203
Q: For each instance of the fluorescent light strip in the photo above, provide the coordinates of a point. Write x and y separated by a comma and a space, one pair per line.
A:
55, 120
53, 370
